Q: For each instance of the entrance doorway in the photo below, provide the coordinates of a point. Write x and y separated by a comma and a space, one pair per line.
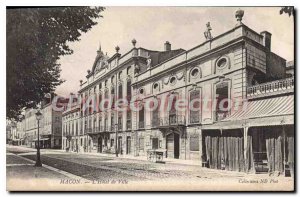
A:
99, 145
173, 145
128, 145
120, 150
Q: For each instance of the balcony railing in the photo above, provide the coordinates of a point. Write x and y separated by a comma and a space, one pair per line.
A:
270, 88
174, 120
88, 130
220, 115
171, 120
96, 129
194, 119
156, 122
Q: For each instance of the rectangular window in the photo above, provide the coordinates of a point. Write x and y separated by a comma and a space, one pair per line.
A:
194, 143
120, 125
222, 101
141, 143
154, 143
120, 91
112, 142
195, 106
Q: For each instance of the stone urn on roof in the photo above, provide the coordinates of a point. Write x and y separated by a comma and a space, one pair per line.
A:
239, 16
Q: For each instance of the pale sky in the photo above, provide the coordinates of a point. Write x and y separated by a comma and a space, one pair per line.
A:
183, 27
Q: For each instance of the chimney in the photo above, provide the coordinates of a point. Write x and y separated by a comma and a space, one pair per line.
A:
266, 39
167, 46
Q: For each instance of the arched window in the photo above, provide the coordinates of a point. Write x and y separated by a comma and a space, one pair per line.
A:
128, 122
112, 79
112, 94
128, 90
120, 93
99, 102
106, 99
129, 70
120, 75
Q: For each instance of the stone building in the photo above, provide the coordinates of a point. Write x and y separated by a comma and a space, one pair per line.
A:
11, 132
20, 132
51, 129
30, 136
50, 126
73, 138
252, 132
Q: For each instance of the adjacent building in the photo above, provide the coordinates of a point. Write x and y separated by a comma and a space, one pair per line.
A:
50, 126
31, 127
73, 138
11, 133
290, 69
51, 131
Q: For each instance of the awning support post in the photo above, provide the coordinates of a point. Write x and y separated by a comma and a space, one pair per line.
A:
245, 144
200, 144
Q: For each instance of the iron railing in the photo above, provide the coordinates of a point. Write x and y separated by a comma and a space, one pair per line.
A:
194, 119
277, 86
171, 120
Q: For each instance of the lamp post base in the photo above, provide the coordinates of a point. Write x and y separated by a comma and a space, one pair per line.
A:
38, 162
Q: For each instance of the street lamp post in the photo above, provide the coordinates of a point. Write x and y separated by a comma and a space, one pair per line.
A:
38, 154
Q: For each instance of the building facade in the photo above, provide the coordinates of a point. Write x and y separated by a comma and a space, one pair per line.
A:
50, 126
20, 132
244, 120
11, 133
73, 138
51, 130
30, 136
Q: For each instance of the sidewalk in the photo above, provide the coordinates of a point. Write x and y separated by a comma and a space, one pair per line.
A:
18, 167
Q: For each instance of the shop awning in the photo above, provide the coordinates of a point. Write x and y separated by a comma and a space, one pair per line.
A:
272, 107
